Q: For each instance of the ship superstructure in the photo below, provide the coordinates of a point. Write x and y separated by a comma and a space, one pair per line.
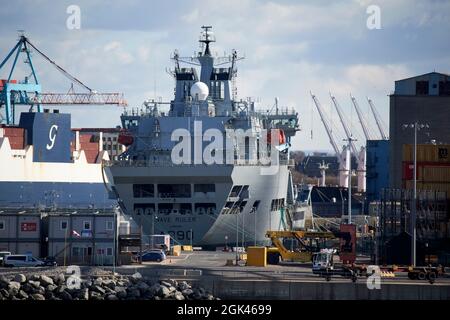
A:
206, 167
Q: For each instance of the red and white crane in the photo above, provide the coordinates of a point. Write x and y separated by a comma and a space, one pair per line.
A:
360, 155
342, 155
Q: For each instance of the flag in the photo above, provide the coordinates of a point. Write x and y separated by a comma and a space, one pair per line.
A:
76, 234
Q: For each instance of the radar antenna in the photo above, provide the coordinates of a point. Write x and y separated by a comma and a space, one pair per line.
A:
207, 37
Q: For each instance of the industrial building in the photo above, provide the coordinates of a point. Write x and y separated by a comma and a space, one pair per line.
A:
109, 137
21, 232
424, 99
82, 237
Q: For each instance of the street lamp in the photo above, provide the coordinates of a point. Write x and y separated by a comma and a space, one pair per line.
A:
350, 140
416, 126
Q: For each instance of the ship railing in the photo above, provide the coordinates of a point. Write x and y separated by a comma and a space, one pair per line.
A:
150, 163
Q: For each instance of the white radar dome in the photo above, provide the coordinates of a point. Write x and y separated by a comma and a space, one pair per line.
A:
200, 91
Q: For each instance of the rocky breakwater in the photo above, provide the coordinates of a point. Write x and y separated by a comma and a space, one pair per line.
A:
135, 287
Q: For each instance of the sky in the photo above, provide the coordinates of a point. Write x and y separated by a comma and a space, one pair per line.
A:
290, 48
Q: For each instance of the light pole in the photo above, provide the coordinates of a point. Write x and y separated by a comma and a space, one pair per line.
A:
254, 213
416, 126
350, 139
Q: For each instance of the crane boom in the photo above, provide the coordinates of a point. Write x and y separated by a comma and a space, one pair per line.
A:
326, 124
377, 119
344, 124
361, 118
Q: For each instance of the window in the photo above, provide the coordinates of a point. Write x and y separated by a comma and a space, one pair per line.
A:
86, 225
2, 224
205, 188
174, 190
109, 225
63, 225
143, 190
109, 251
144, 209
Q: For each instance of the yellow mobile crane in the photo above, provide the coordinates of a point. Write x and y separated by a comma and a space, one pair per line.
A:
305, 239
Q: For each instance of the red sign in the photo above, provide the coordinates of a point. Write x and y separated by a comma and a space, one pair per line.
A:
28, 226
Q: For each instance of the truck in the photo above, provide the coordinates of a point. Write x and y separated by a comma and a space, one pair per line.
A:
308, 243
323, 265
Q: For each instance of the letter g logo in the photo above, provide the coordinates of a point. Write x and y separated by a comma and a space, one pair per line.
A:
52, 136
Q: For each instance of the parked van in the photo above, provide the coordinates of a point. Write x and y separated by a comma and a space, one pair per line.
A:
3, 254
22, 260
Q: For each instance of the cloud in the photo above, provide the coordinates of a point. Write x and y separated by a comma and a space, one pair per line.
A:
291, 47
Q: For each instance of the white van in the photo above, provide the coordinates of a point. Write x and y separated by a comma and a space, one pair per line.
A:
3, 254
22, 260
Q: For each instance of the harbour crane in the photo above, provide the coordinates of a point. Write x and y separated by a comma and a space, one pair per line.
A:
29, 91
377, 119
360, 155
342, 156
361, 118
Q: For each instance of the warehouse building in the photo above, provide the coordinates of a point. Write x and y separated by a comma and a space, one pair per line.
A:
21, 232
425, 99
83, 238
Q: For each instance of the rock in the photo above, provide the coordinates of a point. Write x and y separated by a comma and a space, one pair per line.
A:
20, 278
51, 287
95, 296
28, 288
4, 282
49, 295
40, 290
112, 297
37, 296
187, 292
163, 292
83, 294
65, 295
4, 293
173, 282
45, 281
178, 295
134, 293
22, 295
142, 286
98, 289
34, 277
34, 284
166, 284
60, 289
154, 289
209, 296
172, 289
183, 285
59, 279
98, 281
121, 292
135, 278
110, 284
13, 285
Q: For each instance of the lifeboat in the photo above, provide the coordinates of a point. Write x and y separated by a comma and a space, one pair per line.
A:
278, 133
125, 138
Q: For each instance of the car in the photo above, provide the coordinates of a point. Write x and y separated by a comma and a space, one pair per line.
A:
3, 254
50, 262
22, 260
154, 255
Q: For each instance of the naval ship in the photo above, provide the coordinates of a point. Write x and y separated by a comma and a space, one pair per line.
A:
188, 172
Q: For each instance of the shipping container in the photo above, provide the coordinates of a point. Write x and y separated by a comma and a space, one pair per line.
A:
443, 186
427, 153
436, 173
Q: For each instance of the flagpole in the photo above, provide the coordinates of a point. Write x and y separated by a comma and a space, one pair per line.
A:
65, 246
